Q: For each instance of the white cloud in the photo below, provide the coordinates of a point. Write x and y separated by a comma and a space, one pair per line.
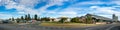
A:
56, 2
112, 2
0, 0
108, 10
68, 13
91, 2
21, 12
51, 3
25, 6
52, 12
30, 3
20, 7
4, 16
105, 11
115, 2
93, 7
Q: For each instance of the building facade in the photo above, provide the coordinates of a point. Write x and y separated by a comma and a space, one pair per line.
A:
114, 17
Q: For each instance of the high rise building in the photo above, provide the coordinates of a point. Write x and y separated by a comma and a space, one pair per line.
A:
114, 17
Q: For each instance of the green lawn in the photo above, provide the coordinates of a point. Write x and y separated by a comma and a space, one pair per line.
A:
68, 24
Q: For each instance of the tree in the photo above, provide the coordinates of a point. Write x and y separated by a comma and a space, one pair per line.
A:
62, 20
35, 17
18, 20
28, 16
13, 19
45, 19
38, 19
75, 19
22, 18
10, 19
88, 19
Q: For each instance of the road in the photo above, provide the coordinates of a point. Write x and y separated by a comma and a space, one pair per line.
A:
105, 27
33, 27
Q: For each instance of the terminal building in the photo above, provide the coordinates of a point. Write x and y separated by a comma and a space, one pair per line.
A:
97, 18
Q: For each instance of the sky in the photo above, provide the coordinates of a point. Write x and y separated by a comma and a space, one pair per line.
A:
58, 8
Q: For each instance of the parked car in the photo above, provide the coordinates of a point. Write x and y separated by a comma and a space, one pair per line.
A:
6, 21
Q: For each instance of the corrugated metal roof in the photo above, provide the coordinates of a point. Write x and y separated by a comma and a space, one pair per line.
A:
100, 17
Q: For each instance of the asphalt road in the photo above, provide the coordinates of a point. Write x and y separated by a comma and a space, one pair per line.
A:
105, 27
33, 27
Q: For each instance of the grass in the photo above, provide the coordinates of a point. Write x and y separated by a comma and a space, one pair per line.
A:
68, 24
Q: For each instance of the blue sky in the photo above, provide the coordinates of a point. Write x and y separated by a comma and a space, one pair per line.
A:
58, 8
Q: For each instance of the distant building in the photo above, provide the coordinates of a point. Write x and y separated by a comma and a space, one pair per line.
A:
114, 17
97, 18
58, 19
52, 19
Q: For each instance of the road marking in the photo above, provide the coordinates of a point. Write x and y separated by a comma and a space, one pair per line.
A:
88, 28
110, 27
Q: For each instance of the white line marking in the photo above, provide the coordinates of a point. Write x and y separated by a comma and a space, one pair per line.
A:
110, 27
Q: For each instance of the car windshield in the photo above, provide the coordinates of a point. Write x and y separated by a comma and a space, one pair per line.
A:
59, 14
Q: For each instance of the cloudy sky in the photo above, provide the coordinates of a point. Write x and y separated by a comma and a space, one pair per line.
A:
58, 8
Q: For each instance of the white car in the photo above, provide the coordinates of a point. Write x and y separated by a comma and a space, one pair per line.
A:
6, 21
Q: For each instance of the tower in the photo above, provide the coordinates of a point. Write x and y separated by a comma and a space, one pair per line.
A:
114, 17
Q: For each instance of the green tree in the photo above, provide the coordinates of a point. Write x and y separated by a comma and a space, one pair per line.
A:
75, 19
45, 19
26, 17
22, 18
18, 20
10, 19
89, 19
62, 20
13, 19
38, 19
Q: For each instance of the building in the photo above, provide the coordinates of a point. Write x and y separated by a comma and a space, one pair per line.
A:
97, 18
115, 18
58, 19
